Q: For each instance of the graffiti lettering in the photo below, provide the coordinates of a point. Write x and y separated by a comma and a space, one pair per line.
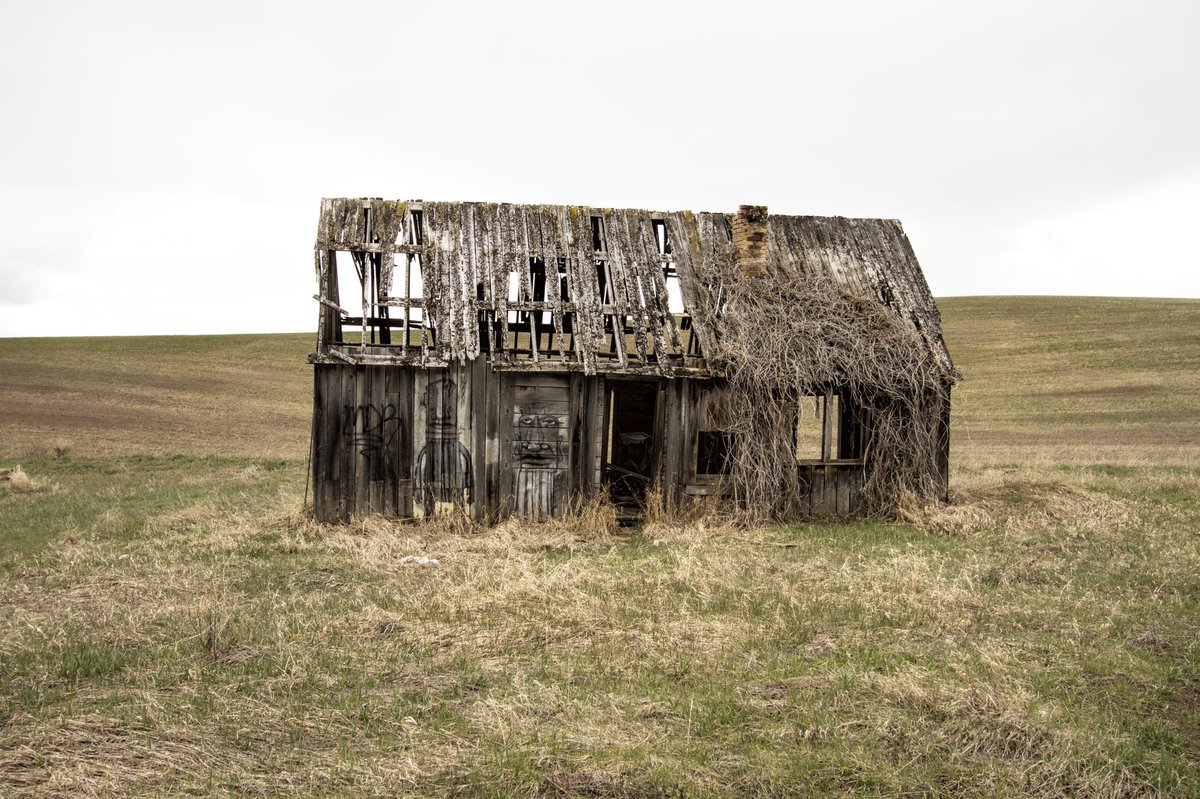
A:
372, 428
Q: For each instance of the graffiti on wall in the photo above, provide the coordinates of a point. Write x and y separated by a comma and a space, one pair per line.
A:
443, 469
371, 428
539, 451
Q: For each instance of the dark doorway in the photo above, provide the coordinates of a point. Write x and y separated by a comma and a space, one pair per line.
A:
631, 453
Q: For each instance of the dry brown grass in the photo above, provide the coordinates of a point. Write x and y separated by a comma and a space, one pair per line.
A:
1034, 643
16, 481
1036, 637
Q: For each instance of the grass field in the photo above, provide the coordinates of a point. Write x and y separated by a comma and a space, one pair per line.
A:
1075, 380
171, 625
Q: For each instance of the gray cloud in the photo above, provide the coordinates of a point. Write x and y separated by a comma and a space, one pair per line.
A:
969, 121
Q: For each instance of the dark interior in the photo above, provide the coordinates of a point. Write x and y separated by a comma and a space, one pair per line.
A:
629, 466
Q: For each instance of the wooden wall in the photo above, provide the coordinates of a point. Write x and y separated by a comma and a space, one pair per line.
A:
410, 442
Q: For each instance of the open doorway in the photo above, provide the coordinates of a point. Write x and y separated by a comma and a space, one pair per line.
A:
631, 451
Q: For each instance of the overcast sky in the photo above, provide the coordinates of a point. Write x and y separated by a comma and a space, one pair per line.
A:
163, 162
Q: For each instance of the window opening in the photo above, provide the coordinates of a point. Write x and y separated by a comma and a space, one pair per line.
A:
567, 320
810, 428
714, 442
422, 332
827, 429
349, 288
674, 291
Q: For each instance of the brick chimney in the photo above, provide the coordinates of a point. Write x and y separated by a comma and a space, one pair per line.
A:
750, 238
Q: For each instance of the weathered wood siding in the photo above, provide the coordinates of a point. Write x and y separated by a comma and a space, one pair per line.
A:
411, 442
362, 441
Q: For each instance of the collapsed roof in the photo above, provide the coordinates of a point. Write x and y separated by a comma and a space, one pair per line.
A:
571, 288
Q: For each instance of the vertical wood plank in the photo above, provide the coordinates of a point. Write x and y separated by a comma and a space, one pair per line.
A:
479, 374
318, 443
672, 432
420, 491
818, 490
462, 375
345, 397
577, 416
691, 438
492, 434
389, 446
854, 487
604, 412
505, 474
404, 469
360, 470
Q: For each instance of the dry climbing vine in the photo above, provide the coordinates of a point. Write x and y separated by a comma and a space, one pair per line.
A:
781, 339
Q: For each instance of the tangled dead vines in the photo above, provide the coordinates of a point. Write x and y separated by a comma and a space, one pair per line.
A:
782, 340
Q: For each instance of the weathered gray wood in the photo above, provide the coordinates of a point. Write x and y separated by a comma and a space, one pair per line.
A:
672, 432
478, 375
578, 429
407, 454
855, 485
359, 473
592, 392
550, 396
422, 499
542, 447
462, 374
506, 501
492, 477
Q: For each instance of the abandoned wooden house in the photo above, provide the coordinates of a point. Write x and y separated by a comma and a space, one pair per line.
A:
515, 359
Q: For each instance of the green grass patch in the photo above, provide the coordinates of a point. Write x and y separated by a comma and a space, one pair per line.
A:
113, 498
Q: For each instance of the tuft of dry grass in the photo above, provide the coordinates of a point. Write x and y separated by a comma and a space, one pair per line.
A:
16, 481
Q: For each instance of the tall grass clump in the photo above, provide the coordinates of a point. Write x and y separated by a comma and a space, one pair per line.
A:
16, 481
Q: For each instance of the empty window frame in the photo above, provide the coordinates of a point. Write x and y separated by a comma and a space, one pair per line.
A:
828, 428
714, 442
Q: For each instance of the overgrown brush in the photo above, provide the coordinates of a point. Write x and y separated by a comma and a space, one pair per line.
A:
827, 340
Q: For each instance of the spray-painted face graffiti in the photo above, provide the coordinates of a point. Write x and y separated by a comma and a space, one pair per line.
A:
443, 467
538, 442
441, 410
